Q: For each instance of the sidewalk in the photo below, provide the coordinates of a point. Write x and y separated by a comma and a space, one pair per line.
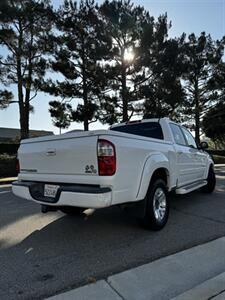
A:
194, 274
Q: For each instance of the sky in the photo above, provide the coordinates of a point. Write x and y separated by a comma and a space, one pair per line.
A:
186, 16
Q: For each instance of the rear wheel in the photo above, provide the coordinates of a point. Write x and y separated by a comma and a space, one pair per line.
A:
72, 210
157, 206
211, 182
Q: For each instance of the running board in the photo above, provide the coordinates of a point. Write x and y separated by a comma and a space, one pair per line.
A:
191, 187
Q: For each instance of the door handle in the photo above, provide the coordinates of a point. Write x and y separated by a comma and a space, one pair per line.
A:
180, 152
51, 152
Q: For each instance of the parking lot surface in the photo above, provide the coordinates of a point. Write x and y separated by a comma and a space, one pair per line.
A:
43, 254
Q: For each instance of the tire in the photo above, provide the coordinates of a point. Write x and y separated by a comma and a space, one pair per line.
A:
157, 206
72, 210
211, 182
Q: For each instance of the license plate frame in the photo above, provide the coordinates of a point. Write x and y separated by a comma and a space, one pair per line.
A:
50, 190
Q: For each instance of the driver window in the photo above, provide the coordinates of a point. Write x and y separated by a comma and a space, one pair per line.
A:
189, 138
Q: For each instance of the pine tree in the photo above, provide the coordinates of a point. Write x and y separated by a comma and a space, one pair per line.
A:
213, 124
202, 59
127, 25
80, 48
24, 29
163, 92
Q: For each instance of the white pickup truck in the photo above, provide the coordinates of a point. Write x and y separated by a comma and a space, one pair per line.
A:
134, 165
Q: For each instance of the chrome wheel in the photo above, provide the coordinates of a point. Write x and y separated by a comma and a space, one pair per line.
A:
159, 204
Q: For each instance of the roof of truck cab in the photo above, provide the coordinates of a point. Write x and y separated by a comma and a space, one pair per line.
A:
139, 121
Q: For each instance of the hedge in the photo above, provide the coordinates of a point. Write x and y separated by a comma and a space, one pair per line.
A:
8, 148
7, 165
216, 152
219, 159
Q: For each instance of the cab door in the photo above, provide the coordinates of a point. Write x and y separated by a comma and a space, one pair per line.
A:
199, 158
185, 167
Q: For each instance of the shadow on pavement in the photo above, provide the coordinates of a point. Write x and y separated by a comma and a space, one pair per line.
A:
70, 251
14, 208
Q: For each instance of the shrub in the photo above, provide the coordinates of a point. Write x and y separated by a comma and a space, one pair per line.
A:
8, 148
7, 165
219, 159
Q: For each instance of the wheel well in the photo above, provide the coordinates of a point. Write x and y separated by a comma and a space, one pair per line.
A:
211, 167
160, 173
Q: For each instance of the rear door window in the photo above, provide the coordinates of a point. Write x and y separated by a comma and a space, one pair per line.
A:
178, 135
148, 129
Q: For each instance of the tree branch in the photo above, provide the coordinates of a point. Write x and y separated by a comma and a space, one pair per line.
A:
35, 94
93, 121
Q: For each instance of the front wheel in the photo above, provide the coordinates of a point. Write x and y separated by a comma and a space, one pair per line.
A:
211, 182
157, 206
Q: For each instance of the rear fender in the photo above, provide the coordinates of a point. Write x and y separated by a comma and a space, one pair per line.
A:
153, 162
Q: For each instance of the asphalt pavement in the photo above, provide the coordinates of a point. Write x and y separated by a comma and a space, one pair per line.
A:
42, 255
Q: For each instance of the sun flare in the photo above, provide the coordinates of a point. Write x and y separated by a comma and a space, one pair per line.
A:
128, 55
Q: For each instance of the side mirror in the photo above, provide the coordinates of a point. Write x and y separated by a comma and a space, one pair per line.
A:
204, 145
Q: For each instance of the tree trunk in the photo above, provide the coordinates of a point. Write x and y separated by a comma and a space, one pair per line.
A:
24, 124
23, 109
197, 114
85, 92
85, 98
24, 114
124, 94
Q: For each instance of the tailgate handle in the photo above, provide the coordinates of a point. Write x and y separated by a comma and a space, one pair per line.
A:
51, 152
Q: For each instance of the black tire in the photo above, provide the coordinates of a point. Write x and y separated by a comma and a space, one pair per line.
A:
151, 219
211, 182
72, 210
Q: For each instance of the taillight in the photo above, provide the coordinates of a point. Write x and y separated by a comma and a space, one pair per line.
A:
106, 158
17, 166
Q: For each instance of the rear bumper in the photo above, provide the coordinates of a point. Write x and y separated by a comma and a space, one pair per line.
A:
67, 195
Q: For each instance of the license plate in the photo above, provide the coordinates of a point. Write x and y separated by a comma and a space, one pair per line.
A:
50, 190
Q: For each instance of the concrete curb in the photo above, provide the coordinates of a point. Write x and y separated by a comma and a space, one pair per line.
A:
99, 291
211, 288
190, 272
7, 180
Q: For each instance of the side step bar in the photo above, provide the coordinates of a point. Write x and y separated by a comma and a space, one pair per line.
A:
191, 187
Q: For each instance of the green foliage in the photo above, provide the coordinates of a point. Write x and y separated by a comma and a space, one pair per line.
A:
6, 156
219, 159
202, 61
79, 50
59, 114
24, 29
131, 30
214, 124
5, 98
115, 61
163, 92
7, 165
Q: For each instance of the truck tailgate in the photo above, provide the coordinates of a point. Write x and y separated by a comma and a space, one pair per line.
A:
65, 154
